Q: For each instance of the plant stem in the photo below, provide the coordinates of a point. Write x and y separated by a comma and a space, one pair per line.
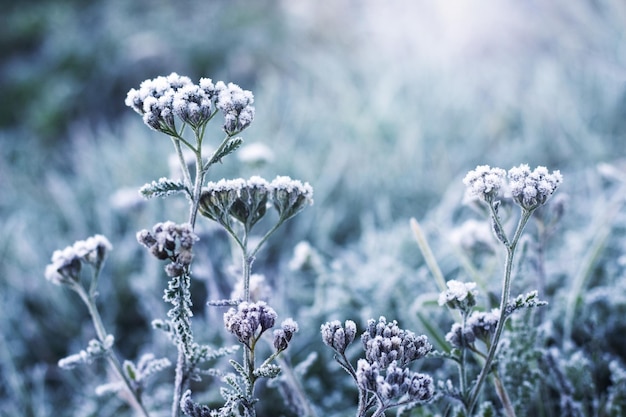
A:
133, 399
504, 300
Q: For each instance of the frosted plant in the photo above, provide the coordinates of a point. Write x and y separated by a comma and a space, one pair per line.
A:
236, 204
383, 376
181, 109
65, 269
529, 190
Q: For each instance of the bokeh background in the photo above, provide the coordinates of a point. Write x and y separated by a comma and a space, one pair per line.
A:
382, 106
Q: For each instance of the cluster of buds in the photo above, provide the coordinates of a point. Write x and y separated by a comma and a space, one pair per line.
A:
250, 320
67, 263
484, 182
396, 382
247, 200
160, 99
172, 241
529, 189
388, 352
385, 343
480, 325
338, 337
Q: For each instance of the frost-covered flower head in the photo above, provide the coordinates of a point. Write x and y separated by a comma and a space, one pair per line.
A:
484, 182
154, 100
247, 200
193, 105
338, 337
160, 99
66, 264
531, 189
394, 383
290, 196
483, 323
459, 295
236, 105
480, 325
249, 320
172, 241
385, 343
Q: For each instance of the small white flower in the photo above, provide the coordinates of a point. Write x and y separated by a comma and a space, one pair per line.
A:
531, 189
458, 294
484, 182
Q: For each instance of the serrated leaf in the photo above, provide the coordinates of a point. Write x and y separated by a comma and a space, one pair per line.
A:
238, 367
229, 147
162, 188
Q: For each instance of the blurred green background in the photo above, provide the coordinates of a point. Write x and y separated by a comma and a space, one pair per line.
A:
381, 106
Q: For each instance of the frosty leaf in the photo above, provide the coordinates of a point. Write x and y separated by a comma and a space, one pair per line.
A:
162, 188
229, 147
267, 371
224, 303
204, 353
110, 388
95, 349
528, 300
237, 367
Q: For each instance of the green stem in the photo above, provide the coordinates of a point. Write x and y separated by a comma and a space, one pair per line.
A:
504, 300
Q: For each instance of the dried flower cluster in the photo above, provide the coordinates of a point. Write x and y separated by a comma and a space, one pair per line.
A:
394, 382
66, 264
250, 320
338, 337
171, 241
385, 343
383, 376
480, 325
247, 200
